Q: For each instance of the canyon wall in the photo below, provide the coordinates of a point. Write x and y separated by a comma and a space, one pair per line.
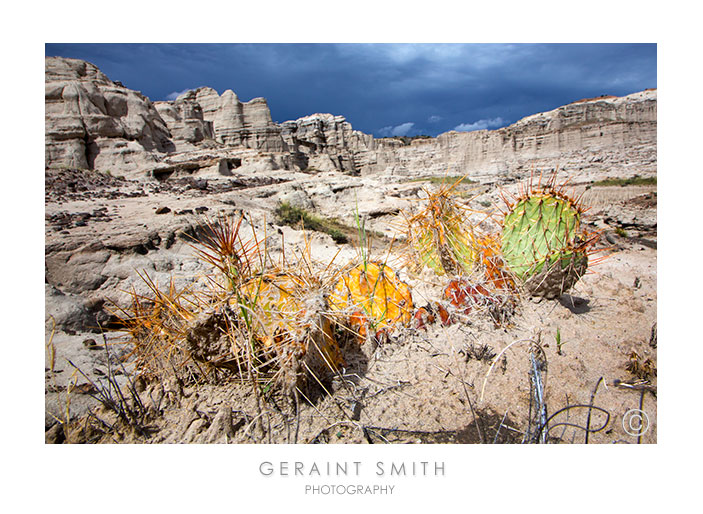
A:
610, 132
94, 123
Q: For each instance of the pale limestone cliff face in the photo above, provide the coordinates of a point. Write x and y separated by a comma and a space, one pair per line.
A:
235, 123
325, 142
92, 122
614, 133
185, 121
610, 135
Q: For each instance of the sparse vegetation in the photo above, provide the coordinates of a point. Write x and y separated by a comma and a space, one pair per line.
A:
124, 402
446, 179
280, 330
298, 218
643, 369
273, 326
480, 352
559, 342
632, 181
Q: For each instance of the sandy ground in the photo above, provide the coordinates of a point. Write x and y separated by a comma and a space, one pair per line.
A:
466, 383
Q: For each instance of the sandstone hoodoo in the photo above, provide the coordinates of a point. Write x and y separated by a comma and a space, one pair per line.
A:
92, 122
230, 122
95, 123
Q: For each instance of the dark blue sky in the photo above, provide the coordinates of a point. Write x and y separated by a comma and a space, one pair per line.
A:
384, 89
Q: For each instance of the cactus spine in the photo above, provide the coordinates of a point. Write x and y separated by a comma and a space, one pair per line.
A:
290, 322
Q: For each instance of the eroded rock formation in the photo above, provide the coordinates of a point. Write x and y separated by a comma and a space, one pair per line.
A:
92, 122
185, 121
325, 142
95, 123
235, 123
617, 135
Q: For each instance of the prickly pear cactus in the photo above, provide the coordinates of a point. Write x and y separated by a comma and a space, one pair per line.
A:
441, 237
542, 242
491, 263
373, 298
289, 319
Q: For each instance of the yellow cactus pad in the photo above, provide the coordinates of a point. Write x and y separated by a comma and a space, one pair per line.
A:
372, 294
290, 316
441, 236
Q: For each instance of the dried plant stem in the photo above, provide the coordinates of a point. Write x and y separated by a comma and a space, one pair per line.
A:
495, 361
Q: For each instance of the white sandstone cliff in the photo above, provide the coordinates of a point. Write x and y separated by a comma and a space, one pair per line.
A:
95, 123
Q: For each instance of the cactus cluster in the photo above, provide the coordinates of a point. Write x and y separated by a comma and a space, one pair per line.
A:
442, 237
541, 248
279, 324
282, 324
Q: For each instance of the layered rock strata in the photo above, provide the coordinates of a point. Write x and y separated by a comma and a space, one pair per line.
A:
235, 123
95, 123
92, 122
325, 142
617, 134
185, 121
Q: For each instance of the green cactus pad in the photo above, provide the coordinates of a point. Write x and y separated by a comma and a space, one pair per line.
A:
557, 277
428, 255
539, 244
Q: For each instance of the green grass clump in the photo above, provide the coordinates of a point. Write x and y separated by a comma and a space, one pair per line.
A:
632, 181
294, 216
451, 179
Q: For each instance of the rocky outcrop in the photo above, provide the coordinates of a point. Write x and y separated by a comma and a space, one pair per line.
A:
325, 142
235, 123
94, 123
610, 135
185, 121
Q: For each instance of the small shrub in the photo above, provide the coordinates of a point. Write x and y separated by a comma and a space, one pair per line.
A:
338, 236
295, 217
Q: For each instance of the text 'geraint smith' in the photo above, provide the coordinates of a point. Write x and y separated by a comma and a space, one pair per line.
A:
353, 468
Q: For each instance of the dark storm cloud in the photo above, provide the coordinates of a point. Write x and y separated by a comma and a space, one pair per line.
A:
388, 89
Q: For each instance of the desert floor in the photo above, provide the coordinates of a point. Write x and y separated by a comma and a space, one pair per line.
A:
468, 382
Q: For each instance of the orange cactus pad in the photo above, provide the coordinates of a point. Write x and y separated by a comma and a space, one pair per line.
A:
491, 261
372, 293
423, 317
